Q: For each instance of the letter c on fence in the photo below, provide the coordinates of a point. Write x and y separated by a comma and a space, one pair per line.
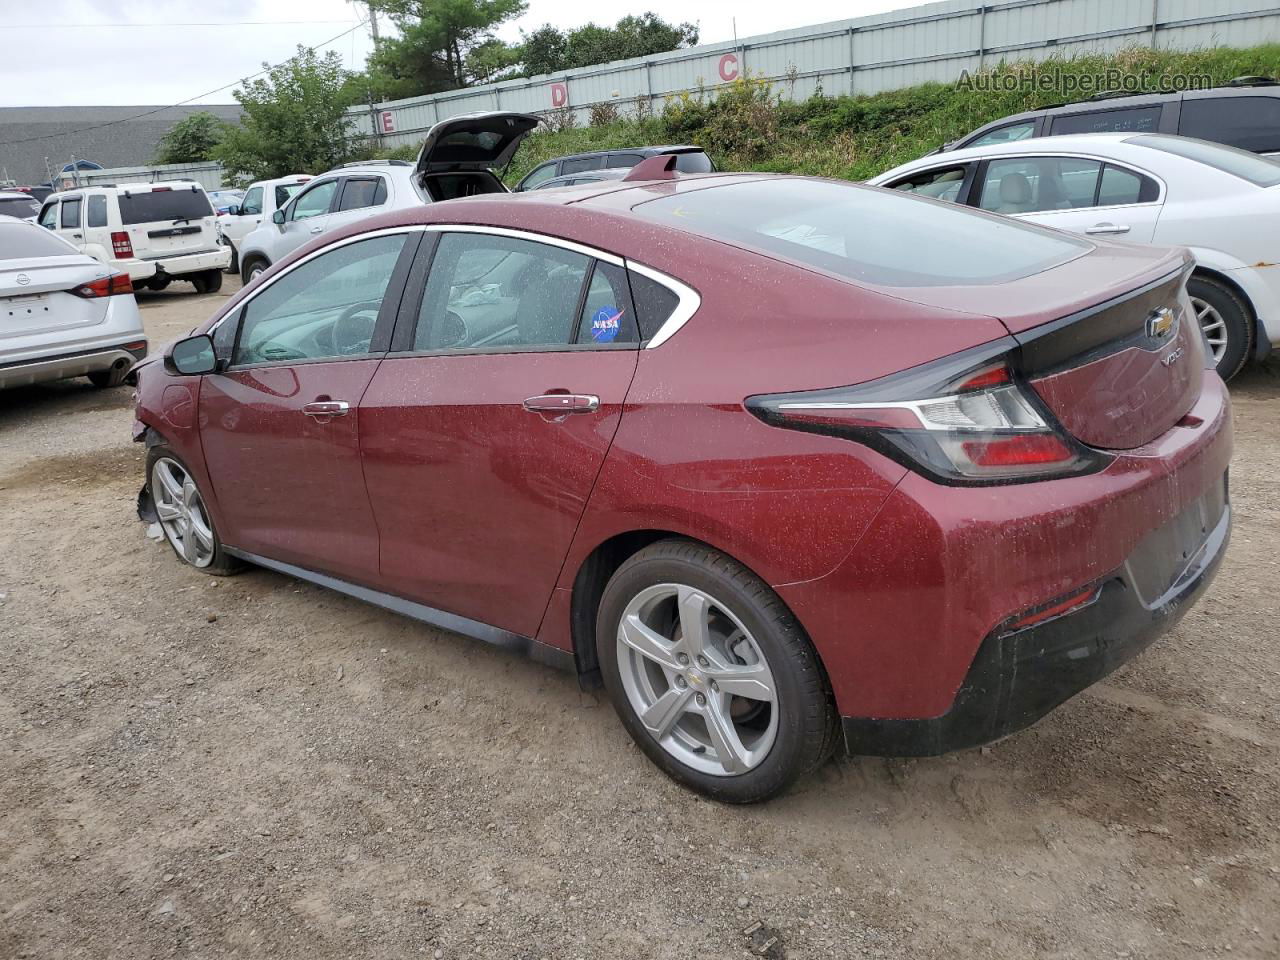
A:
729, 67
559, 94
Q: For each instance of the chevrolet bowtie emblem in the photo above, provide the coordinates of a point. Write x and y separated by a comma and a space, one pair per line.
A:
1160, 324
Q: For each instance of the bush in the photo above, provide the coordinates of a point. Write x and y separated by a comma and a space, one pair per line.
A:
603, 114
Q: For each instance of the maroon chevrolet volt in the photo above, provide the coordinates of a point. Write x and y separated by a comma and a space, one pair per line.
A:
784, 463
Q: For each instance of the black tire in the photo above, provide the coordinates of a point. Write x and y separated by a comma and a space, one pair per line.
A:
251, 268
222, 565
207, 281
808, 726
1236, 316
111, 377
234, 266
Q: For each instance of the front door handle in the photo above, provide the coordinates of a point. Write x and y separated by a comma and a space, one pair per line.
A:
1108, 228
561, 404
317, 229
326, 410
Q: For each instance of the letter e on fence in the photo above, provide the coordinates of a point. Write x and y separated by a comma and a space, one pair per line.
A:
559, 94
729, 67
388, 121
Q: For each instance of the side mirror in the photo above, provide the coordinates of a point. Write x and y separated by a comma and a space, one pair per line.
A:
192, 356
233, 210
278, 218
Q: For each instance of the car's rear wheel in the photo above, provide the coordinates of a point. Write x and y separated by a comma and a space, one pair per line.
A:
1225, 321
711, 674
183, 516
207, 281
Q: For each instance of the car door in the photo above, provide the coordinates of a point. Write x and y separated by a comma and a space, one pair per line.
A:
1080, 194
237, 226
485, 427
279, 423
306, 216
358, 197
71, 222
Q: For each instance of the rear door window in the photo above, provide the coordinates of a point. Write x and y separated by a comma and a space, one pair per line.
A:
1035, 184
155, 206
494, 293
1250, 123
624, 159
606, 316
1131, 120
70, 219
96, 214
539, 175
358, 192
694, 163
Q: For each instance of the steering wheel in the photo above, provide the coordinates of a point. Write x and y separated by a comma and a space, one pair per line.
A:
352, 332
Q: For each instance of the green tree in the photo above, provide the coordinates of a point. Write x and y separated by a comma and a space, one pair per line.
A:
443, 44
547, 49
191, 140
294, 120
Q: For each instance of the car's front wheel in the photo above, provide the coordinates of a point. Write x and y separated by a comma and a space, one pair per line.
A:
183, 516
250, 270
711, 674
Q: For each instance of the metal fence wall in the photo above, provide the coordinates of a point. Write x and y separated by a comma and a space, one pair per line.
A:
934, 42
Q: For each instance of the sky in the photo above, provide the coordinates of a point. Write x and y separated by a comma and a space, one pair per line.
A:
125, 52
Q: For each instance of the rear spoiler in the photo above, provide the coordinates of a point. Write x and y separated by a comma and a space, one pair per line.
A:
661, 166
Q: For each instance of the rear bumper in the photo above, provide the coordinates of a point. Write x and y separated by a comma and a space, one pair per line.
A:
139, 269
1019, 676
77, 364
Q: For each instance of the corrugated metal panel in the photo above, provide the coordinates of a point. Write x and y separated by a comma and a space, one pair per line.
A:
931, 43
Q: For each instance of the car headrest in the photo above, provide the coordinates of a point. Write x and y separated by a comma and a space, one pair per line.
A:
1015, 188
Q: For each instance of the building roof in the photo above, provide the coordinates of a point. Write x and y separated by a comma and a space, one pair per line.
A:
28, 135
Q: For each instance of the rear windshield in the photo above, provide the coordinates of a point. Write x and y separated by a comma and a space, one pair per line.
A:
286, 190
168, 205
20, 241
883, 238
1257, 170
18, 207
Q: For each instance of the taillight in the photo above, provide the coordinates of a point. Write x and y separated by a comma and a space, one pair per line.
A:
121, 245
114, 285
962, 420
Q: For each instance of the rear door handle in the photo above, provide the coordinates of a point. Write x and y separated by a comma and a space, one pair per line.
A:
562, 403
1108, 228
325, 410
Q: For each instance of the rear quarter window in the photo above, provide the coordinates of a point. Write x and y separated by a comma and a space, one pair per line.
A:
1250, 123
653, 302
164, 205
872, 236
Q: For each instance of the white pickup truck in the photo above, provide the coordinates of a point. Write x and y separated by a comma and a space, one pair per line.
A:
261, 200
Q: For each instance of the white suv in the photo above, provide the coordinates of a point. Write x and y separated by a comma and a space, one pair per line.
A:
154, 232
259, 204
457, 159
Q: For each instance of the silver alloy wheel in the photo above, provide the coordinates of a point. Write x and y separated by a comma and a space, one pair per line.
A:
181, 511
697, 679
1213, 326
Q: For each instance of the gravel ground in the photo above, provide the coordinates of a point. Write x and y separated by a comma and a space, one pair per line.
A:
255, 767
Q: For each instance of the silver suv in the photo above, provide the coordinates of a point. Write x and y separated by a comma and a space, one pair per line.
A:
457, 160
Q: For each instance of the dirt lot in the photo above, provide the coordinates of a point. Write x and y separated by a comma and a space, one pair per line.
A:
255, 767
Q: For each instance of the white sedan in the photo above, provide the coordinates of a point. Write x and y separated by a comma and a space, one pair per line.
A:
62, 313
1222, 203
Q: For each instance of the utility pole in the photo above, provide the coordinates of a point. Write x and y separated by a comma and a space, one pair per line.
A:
373, 24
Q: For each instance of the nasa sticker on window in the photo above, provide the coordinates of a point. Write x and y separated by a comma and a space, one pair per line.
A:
605, 324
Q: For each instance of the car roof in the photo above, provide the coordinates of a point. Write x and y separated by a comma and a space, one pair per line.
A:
648, 150
1066, 143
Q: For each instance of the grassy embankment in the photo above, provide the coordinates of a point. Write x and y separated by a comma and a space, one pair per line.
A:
747, 125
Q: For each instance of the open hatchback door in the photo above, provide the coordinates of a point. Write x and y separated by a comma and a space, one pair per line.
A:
459, 155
